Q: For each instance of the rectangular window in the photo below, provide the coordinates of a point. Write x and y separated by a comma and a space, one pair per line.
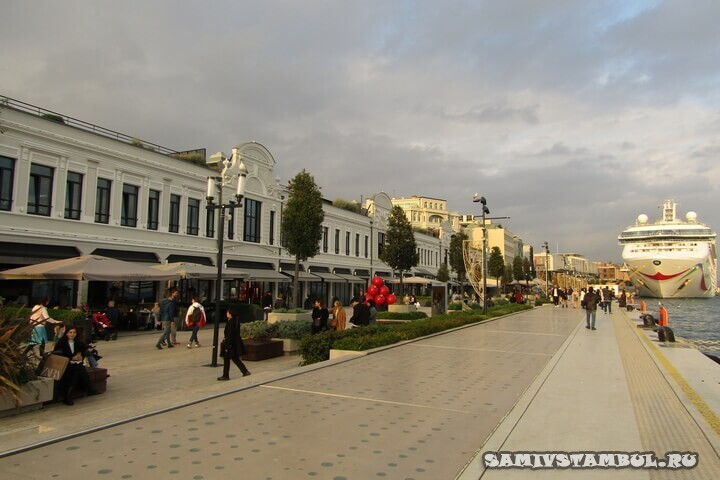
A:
128, 213
193, 216
40, 194
102, 201
366, 245
357, 244
210, 223
7, 174
326, 233
347, 243
153, 209
337, 240
381, 244
251, 227
272, 227
174, 218
73, 195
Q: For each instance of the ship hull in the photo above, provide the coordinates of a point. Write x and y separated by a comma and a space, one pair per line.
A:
673, 276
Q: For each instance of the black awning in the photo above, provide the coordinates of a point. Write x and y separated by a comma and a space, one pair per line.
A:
358, 272
127, 255
13, 253
190, 259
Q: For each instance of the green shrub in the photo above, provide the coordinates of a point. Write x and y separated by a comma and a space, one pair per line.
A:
293, 329
401, 315
258, 330
455, 306
290, 310
475, 306
316, 348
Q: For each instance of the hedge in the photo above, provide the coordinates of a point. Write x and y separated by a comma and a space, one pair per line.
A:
316, 348
401, 315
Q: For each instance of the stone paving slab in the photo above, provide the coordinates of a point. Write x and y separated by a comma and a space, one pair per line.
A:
532, 381
416, 411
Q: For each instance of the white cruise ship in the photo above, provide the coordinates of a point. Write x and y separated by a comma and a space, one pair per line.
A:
671, 258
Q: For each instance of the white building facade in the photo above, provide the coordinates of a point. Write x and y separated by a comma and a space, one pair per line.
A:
68, 188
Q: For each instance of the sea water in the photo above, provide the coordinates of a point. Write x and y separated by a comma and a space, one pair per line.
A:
692, 318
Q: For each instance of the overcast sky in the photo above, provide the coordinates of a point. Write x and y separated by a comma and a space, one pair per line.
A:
571, 117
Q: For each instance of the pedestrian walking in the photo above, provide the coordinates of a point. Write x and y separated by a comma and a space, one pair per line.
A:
590, 302
195, 319
232, 346
168, 312
39, 317
607, 299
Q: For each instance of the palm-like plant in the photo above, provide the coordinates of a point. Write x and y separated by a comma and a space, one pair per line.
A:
17, 366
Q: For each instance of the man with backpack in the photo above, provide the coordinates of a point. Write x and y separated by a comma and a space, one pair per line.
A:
195, 319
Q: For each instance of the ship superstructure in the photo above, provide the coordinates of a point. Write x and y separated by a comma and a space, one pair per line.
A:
671, 258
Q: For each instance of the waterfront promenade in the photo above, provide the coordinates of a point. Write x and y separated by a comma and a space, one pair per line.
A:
534, 381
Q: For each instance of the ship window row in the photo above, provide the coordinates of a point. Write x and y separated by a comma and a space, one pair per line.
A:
702, 232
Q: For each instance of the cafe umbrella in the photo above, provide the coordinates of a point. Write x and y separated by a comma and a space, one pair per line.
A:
88, 267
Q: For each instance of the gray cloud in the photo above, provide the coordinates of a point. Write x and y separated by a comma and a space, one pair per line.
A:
571, 117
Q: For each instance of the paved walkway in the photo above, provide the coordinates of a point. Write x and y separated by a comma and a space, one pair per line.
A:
535, 381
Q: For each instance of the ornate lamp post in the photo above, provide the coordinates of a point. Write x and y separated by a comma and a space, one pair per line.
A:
233, 168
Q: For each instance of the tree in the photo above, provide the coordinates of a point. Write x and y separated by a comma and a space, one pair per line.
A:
457, 260
508, 274
302, 222
527, 270
443, 274
400, 251
496, 264
517, 268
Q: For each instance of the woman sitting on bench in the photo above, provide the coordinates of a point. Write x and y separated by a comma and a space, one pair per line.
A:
75, 374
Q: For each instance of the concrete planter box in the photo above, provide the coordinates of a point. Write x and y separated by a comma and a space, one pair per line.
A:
290, 345
345, 353
32, 396
276, 317
262, 350
401, 308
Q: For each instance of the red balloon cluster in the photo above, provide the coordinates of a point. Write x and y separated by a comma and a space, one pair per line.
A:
379, 293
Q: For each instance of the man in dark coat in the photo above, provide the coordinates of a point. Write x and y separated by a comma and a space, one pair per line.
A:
361, 313
232, 346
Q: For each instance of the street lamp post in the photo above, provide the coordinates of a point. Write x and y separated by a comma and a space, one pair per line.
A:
233, 169
371, 249
485, 211
547, 273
